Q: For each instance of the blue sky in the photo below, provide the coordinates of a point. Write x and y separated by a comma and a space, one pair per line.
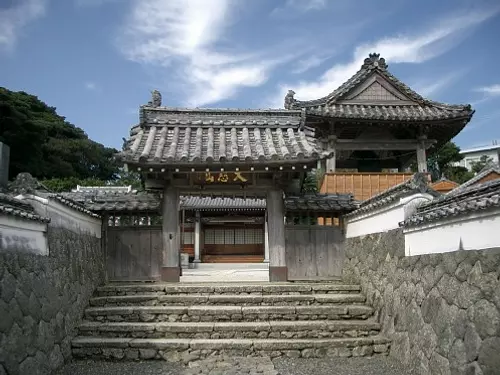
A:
98, 60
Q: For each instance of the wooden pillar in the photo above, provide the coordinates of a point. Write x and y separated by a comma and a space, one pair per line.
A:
104, 243
276, 230
266, 242
421, 157
331, 162
197, 230
170, 270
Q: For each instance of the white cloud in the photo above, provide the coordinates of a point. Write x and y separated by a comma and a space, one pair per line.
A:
15, 18
492, 90
416, 48
306, 5
309, 62
92, 86
90, 3
185, 36
298, 6
427, 87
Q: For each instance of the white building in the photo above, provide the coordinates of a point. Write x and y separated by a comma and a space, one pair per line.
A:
474, 155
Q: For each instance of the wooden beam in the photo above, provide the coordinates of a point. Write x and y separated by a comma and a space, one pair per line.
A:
383, 144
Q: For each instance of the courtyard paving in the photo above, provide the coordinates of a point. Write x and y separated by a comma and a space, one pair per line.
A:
242, 365
220, 272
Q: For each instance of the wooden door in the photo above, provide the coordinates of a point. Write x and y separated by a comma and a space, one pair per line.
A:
314, 252
134, 253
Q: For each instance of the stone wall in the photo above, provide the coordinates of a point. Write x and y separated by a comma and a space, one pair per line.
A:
42, 298
442, 311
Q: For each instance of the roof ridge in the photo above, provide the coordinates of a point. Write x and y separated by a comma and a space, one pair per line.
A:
228, 110
371, 65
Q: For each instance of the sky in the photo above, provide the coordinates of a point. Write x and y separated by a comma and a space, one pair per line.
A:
97, 61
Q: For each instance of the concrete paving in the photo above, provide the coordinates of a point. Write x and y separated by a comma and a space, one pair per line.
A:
226, 272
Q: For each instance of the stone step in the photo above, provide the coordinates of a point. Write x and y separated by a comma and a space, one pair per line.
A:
246, 288
229, 330
227, 299
191, 349
216, 313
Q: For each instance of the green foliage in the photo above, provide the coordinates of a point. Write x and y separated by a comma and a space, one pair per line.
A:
441, 163
446, 156
312, 181
46, 145
459, 174
477, 166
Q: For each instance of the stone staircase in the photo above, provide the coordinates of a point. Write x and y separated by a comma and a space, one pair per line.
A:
185, 322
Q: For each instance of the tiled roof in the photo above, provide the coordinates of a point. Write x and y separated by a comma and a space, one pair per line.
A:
25, 183
326, 203
495, 168
408, 113
417, 184
147, 202
423, 109
72, 204
220, 204
16, 207
116, 201
168, 136
471, 199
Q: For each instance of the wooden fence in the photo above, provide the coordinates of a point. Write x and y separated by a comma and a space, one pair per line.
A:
361, 185
314, 252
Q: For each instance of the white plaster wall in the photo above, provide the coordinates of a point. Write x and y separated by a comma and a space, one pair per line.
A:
23, 235
473, 232
384, 218
62, 216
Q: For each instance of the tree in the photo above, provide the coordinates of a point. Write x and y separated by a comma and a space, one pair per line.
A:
478, 166
46, 145
441, 163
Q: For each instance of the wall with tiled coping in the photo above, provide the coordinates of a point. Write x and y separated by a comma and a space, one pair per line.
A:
43, 292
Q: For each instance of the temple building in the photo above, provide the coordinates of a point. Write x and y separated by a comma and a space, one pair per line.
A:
364, 136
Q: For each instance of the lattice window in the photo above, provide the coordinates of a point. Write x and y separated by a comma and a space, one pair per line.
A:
239, 236
209, 236
229, 236
376, 92
188, 238
219, 236
259, 235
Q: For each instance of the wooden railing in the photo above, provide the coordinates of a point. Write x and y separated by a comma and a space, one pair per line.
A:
363, 185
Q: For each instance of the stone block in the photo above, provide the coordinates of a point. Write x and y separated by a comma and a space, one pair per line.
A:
489, 360
472, 342
147, 353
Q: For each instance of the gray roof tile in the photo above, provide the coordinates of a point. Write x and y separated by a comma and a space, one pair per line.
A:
208, 203
204, 136
324, 203
133, 201
471, 199
16, 207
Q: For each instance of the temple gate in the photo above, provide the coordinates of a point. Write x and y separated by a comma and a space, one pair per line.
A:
371, 123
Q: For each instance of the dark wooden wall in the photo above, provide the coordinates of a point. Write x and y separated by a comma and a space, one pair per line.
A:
134, 253
314, 252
